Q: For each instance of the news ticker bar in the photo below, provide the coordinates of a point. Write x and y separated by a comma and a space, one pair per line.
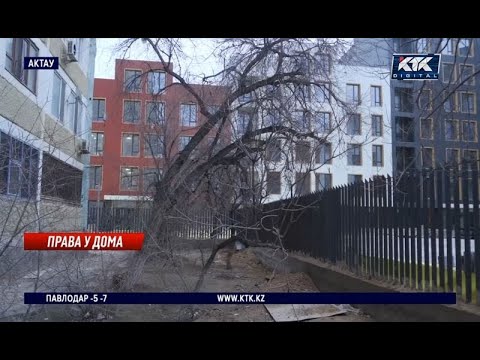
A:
241, 298
82, 241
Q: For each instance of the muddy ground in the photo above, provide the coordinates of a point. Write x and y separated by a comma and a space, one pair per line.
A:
247, 275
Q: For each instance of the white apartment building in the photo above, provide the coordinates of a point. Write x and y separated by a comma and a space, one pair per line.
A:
45, 118
350, 116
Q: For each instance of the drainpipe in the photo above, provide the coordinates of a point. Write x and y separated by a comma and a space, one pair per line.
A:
86, 157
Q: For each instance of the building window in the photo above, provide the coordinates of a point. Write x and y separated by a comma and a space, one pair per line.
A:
274, 150
99, 110
302, 183
323, 122
377, 155
427, 157
188, 115
73, 113
302, 93
404, 99
155, 112
422, 46
95, 177
272, 118
353, 178
451, 130
150, 177
447, 47
133, 81
404, 45
354, 154
245, 98
449, 74
323, 154
323, 182
154, 145
322, 93
405, 157
470, 159
272, 91
469, 131
131, 111
354, 124
425, 100
58, 96
129, 178
155, 82
130, 145
301, 120
323, 64
353, 94
465, 47
426, 129
452, 157
449, 104
18, 167
377, 125
60, 180
467, 103
404, 129
376, 95
250, 186
96, 143
248, 97
16, 50
303, 151
184, 140
273, 183
243, 120
466, 72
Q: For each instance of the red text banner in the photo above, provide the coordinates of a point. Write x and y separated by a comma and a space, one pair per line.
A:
83, 241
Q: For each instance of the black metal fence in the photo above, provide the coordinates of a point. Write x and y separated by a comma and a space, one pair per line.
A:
185, 225
420, 230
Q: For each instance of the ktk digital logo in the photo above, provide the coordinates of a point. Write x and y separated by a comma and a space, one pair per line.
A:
40, 63
415, 66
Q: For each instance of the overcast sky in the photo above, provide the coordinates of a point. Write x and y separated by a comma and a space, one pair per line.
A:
198, 56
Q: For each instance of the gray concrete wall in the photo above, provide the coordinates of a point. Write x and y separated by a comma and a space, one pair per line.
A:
58, 48
15, 106
23, 215
61, 138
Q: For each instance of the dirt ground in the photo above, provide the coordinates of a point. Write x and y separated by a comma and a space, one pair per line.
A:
247, 275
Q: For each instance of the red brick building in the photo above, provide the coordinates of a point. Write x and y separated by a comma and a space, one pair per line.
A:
141, 120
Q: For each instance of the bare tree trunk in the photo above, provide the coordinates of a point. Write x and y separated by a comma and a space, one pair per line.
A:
211, 258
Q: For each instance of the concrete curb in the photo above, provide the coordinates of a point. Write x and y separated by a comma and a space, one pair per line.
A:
330, 280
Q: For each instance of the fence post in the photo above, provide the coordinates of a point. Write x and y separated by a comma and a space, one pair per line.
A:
433, 232
371, 248
383, 227
343, 213
426, 235
390, 262
466, 235
405, 225
476, 230
440, 229
448, 214
363, 222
